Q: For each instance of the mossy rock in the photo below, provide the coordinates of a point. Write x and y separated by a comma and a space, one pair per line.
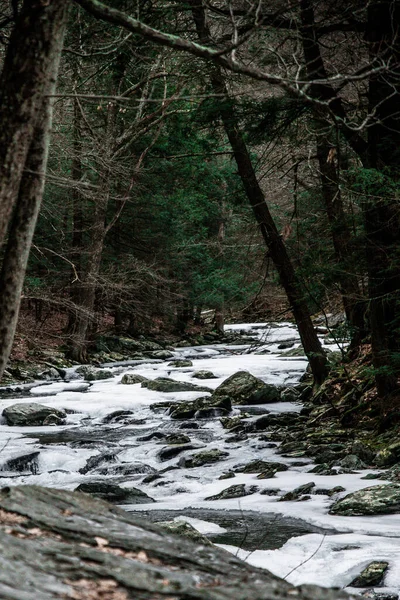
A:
234, 491
375, 500
167, 385
204, 375
114, 493
388, 456
180, 363
189, 409
372, 575
206, 457
244, 388
30, 414
258, 466
92, 374
132, 378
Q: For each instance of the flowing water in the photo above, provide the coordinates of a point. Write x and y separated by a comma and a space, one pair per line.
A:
299, 538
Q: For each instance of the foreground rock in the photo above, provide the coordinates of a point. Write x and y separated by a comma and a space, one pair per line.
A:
244, 388
57, 544
373, 574
375, 500
31, 414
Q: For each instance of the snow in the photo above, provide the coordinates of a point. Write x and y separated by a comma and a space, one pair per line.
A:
330, 560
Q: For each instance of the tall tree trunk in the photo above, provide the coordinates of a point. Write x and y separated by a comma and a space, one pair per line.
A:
46, 33
24, 78
381, 211
349, 287
273, 240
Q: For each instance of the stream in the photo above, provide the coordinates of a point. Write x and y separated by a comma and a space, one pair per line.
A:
296, 540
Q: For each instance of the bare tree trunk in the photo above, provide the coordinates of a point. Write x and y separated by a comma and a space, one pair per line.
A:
23, 81
276, 247
46, 31
340, 232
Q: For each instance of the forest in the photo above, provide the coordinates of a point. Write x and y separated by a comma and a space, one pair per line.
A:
171, 170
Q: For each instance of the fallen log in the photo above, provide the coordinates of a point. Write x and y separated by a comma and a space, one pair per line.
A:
56, 544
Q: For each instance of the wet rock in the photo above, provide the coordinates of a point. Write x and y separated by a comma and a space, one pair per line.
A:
234, 491
160, 354
373, 574
236, 439
213, 412
29, 414
188, 410
177, 438
207, 457
99, 459
228, 475
373, 595
363, 451
125, 417
24, 463
90, 373
171, 451
232, 422
285, 345
375, 500
180, 363
53, 419
167, 385
132, 378
352, 462
298, 493
152, 477
388, 456
185, 529
281, 420
189, 425
204, 375
154, 435
126, 469
290, 394
270, 492
267, 474
323, 469
329, 492
258, 466
50, 374
244, 388
114, 493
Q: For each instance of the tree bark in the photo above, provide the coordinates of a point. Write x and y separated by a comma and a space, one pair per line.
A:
276, 247
46, 33
348, 283
24, 78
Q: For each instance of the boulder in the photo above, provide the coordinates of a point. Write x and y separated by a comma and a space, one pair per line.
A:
290, 394
206, 457
125, 417
180, 363
388, 456
114, 493
90, 373
244, 388
171, 451
190, 409
372, 575
204, 375
132, 378
375, 500
258, 466
57, 543
98, 460
23, 463
167, 385
160, 354
298, 493
31, 414
177, 438
234, 491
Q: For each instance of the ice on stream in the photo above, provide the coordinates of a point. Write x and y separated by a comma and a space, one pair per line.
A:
333, 559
